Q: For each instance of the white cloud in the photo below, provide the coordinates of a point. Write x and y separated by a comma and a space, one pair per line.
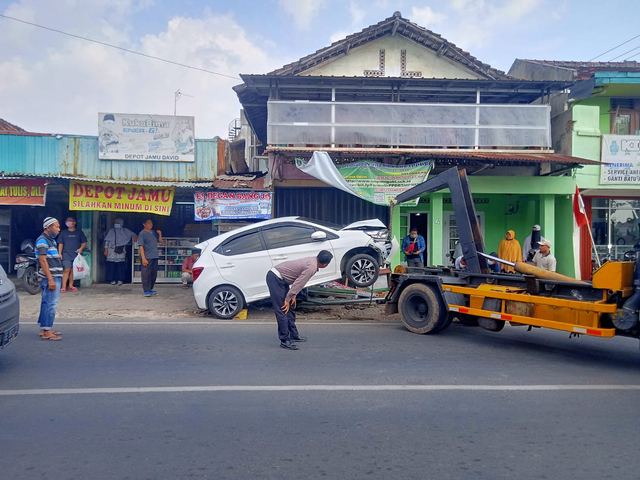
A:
53, 83
302, 11
357, 14
478, 21
426, 17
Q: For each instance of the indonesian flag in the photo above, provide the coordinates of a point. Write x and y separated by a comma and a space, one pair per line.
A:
578, 209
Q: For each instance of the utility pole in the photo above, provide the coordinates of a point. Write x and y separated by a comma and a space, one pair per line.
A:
177, 97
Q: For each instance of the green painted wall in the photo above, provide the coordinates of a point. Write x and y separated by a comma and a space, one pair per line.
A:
562, 248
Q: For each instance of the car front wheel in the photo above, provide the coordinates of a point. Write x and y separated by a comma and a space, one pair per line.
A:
362, 270
226, 302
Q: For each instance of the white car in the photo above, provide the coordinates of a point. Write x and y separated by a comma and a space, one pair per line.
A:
232, 268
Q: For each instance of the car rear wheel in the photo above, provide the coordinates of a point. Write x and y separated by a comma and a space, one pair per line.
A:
362, 270
225, 302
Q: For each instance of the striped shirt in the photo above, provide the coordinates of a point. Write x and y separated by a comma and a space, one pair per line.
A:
47, 246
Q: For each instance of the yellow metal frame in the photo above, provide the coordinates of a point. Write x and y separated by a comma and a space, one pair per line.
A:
574, 316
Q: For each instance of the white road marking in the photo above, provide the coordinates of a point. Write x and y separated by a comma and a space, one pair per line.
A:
321, 388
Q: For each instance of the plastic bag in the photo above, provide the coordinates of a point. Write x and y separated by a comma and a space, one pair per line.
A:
81, 268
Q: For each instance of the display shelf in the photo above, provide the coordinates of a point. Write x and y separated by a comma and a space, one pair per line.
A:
171, 253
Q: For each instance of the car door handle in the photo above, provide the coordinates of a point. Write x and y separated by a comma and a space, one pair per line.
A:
281, 257
228, 265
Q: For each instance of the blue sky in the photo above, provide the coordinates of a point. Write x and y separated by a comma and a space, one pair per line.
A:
53, 83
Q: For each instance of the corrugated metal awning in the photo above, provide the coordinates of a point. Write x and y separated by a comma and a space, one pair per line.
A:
145, 183
484, 155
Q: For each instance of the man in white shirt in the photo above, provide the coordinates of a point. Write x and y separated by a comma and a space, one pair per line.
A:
543, 258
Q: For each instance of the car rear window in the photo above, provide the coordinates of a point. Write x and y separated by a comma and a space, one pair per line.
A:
247, 243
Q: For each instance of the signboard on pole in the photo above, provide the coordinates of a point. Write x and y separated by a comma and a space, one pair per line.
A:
232, 205
32, 192
372, 181
151, 138
620, 160
120, 198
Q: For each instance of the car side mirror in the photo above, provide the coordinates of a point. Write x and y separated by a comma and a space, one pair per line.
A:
318, 236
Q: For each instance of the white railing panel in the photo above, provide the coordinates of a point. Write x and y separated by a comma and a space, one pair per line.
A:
404, 124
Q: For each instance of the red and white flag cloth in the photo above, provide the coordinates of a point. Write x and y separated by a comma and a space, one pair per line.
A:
578, 209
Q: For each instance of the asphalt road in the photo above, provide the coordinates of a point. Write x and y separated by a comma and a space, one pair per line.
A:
222, 400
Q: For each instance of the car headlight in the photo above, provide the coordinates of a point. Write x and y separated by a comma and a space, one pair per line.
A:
382, 234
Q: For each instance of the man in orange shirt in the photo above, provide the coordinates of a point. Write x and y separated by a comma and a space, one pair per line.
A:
187, 268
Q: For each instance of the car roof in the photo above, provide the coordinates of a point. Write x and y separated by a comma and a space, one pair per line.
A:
222, 237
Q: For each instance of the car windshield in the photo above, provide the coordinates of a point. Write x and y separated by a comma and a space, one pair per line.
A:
321, 223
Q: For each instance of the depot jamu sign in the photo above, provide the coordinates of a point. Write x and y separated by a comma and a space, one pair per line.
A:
120, 198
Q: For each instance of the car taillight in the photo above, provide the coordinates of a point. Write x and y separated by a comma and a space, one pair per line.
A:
196, 272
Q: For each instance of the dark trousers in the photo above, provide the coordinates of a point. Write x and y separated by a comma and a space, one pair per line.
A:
149, 275
278, 290
115, 271
415, 262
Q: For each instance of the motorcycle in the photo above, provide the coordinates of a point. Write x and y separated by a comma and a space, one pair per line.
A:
27, 267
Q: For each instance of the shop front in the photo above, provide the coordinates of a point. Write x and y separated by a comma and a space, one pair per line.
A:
168, 205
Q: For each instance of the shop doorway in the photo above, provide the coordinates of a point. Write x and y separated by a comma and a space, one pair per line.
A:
451, 237
420, 221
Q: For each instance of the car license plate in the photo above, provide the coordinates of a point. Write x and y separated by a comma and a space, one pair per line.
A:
9, 335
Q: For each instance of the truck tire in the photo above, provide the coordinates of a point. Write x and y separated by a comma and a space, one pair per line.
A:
362, 270
491, 324
447, 322
421, 309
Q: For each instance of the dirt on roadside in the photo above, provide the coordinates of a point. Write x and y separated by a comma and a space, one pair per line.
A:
172, 301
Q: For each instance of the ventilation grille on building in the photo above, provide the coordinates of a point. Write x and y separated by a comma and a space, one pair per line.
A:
623, 103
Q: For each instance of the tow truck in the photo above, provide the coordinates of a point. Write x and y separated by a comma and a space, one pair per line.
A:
428, 299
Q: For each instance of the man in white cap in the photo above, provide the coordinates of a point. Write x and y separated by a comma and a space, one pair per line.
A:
530, 246
543, 258
50, 275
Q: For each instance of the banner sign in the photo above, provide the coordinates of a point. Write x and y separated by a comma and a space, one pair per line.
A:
23, 192
620, 160
232, 205
120, 198
154, 138
372, 181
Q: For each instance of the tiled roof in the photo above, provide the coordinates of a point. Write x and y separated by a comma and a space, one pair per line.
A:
585, 70
6, 127
395, 25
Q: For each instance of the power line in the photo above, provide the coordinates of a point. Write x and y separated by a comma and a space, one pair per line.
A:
614, 48
119, 48
633, 56
614, 58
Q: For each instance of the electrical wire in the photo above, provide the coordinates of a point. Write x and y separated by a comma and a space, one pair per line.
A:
612, 49
632, 56
119, 48
615, 58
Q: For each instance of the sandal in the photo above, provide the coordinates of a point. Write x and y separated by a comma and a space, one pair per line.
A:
185, 286
63, 290
52, 337
55, 333
73, 289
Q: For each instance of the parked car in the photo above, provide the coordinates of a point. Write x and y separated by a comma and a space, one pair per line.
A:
232, 267
9, 310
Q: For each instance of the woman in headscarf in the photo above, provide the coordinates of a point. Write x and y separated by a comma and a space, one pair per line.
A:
509, 249
115, 249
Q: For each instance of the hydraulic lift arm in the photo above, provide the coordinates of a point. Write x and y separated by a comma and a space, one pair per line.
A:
466, 220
